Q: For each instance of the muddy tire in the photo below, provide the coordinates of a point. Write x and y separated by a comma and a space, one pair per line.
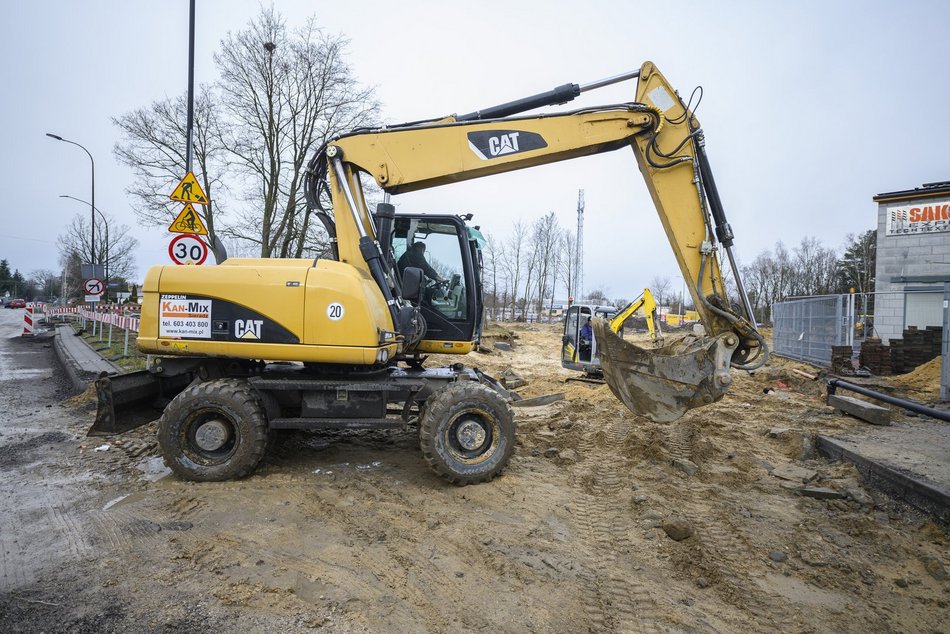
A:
467, 433
214, 431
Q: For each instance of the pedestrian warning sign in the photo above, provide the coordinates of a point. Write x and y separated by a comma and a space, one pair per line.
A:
188, 221
189, 191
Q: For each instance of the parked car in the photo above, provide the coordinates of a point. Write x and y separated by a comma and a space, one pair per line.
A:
16, 303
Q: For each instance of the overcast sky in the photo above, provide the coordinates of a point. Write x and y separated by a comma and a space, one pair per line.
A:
810, 107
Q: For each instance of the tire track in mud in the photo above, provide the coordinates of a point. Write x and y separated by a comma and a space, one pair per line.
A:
614, 602
380, 557
119, 530
721, 549
13, 569
184, 507
418, 581
74, 537
720, 552
679, 441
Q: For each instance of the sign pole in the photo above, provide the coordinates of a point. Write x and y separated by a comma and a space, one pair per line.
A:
191, 84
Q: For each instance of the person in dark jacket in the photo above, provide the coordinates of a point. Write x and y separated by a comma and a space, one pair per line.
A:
416, 256
586, 336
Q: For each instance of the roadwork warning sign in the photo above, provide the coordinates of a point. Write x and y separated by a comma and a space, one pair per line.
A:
189, 191
188, 221
181, 316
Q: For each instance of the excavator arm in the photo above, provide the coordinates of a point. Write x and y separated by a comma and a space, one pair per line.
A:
668, 144
648, 304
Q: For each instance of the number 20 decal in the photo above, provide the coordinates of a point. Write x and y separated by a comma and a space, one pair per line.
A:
335, 311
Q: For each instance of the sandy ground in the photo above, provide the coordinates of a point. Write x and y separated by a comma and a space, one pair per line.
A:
349, 532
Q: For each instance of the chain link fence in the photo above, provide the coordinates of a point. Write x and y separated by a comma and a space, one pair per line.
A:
806, 328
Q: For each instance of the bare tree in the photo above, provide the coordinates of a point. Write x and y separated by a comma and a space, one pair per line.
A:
285, 92
492, 263
118, 252
45, 282
567, 247
514, 260
545, 236
856, 267
598, 296
814, 268
809, 269
660, 287
153, 145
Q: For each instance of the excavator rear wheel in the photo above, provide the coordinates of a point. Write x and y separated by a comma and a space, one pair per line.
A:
214, 431
467, 433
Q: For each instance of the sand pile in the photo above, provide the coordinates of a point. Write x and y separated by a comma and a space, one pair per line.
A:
924, 380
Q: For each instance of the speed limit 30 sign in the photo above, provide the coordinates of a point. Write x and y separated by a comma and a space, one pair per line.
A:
187, 248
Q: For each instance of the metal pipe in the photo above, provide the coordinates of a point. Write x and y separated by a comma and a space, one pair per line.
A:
556, 96
350, 200
600, 83
746, 304
913, 406
190, 127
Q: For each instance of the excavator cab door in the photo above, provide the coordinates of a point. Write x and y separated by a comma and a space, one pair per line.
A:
578, 352
439, 245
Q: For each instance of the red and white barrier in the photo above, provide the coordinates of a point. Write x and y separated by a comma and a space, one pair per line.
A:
114, 317
125, 317
28, 321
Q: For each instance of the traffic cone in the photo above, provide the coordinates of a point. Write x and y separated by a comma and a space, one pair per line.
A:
28, 321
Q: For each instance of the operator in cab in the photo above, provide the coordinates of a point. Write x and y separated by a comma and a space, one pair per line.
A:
415, 256
586, 336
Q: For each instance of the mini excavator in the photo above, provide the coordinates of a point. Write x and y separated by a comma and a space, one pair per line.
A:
579, 349
339, 342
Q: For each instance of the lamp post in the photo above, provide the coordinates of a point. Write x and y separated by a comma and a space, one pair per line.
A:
92, 203
108, 244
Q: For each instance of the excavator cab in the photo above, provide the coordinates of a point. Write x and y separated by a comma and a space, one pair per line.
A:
579, 349
449, 254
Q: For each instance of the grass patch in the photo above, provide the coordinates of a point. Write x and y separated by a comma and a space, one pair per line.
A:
131, 363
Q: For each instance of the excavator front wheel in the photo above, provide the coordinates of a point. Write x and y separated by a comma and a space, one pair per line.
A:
214, 431
467, 433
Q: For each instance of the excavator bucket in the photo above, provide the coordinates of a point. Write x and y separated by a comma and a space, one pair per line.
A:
663, 383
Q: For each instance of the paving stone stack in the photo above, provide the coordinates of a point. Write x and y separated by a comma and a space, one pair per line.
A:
841, 360
936, 340
875, 356
916, 347
898, 364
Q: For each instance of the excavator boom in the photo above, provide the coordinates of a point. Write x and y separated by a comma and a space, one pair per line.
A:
648, 304
667, 141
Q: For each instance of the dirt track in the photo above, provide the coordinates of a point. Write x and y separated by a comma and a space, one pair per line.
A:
351, 532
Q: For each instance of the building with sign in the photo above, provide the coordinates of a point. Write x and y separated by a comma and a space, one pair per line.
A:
913, 258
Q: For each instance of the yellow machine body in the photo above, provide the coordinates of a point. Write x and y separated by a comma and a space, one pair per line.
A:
352, 308
327, 312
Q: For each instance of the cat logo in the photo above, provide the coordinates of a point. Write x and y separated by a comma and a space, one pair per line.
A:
504, 144
489, 144
248, 328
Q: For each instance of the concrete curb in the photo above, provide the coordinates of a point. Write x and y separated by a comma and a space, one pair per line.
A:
79, 375
72, 369
922, 495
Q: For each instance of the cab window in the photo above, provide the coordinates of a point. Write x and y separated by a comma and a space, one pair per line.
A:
442, 260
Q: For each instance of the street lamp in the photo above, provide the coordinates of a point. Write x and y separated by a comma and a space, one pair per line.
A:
92, 203
108, 244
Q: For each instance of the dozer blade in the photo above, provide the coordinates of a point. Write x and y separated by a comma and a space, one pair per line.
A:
663, 383
127, 401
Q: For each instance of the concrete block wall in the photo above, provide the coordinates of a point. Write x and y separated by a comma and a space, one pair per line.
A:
913, 255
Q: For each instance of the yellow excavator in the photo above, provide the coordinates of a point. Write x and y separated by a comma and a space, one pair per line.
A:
254, 345
579, 349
